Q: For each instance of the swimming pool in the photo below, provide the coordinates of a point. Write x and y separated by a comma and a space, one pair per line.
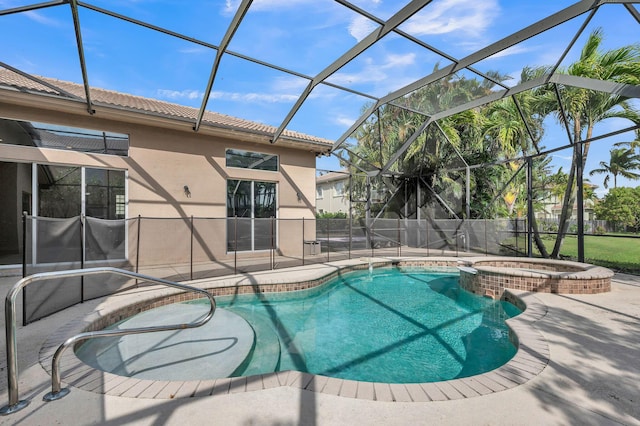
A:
394, 325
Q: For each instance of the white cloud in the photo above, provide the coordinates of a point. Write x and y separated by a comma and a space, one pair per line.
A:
343, 121
253, 97
566, 158
198, 50
373, 72
175, 95
231, 6
289, 84
179, 94
468, 17
513, 50
399, 60
41, 19
360, 27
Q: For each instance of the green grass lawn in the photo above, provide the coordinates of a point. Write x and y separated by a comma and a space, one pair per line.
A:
619, 254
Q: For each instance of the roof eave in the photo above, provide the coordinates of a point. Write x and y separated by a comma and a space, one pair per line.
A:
48, 101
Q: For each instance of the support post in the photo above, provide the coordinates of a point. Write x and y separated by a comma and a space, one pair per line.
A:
530, 206
303, 244
580, 201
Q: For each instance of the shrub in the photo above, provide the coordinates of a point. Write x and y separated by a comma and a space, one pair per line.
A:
331, 215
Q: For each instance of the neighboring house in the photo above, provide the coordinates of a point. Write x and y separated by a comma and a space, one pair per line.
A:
332, 195
552, 208
132, 156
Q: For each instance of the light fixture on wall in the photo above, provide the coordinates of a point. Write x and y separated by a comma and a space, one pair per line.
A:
187, 192
299, 195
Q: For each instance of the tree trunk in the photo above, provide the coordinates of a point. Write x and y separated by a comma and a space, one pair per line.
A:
567, 207
536, 237
570, 192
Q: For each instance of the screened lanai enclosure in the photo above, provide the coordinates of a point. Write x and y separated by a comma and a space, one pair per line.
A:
487, 127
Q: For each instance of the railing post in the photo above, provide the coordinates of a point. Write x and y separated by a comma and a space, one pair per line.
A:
399, 242
303, 246
486, 242
426, 231
328, 237
517, 235
10, 330
272, 256
373, 240
24, 244
12, 358
235, 242
138, 244
350, 232
82, 231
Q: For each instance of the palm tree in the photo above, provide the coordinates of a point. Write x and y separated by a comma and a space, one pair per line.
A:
585, 108
380, 137
622, 162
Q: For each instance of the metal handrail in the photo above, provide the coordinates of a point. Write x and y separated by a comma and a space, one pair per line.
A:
10, 329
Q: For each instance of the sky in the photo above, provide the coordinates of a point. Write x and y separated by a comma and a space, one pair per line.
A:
304, 36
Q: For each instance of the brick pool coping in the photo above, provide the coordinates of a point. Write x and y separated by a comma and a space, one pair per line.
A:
530, 359
490, 275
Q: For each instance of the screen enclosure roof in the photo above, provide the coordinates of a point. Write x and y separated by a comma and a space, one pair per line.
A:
289, 69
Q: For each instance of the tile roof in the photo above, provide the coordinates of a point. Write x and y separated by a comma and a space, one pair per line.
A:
333, 176
11, 79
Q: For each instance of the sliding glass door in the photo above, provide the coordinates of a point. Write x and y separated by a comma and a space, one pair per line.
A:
251, 205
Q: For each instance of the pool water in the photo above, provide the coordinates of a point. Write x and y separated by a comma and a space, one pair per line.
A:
393, 325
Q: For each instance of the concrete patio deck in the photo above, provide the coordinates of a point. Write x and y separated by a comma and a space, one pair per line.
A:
593, 377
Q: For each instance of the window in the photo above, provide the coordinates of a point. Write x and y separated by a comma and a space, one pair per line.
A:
104, 192
43, 135
60, 192
339, 187
251, 160
318, 192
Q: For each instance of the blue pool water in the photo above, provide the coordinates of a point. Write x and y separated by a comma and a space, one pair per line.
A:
390, 325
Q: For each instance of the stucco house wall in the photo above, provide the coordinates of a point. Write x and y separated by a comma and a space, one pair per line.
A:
166, 155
